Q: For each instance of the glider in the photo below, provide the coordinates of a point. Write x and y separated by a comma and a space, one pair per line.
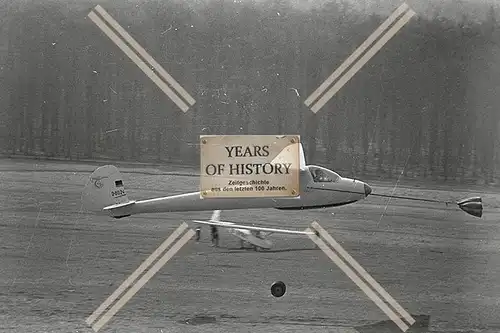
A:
249, 234
319, 188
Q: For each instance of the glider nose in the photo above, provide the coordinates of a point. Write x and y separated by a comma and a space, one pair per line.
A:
368, 190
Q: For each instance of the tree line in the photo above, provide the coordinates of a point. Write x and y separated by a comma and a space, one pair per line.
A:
423, 107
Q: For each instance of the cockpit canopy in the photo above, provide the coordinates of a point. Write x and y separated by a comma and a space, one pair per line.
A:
323, 175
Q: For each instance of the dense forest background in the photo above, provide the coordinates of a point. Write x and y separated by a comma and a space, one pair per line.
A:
425, 106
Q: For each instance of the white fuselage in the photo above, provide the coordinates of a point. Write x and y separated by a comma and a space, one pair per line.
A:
312, 195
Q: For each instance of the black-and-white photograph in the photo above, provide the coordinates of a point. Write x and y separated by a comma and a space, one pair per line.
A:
263, 166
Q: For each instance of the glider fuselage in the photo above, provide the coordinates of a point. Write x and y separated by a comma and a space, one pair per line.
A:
313, 194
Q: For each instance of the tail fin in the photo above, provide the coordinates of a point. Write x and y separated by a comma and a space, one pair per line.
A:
105, 188
215, 216
302, 158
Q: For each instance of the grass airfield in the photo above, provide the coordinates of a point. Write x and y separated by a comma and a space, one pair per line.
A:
58, 263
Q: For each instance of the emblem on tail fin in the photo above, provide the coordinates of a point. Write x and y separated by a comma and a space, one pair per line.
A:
97, 181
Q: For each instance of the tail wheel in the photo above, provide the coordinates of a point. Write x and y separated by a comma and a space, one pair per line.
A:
278, 289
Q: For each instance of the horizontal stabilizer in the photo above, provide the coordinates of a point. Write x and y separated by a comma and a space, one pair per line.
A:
238, 226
